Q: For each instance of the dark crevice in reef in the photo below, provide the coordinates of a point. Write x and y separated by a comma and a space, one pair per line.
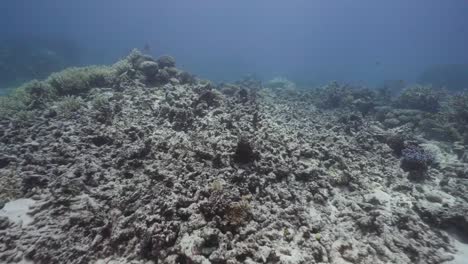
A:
244, 151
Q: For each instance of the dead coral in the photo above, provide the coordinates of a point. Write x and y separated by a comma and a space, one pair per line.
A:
419, 97
334, 95
208, 99
232, 210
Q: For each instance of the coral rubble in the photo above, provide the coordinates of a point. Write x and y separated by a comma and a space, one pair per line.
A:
142, 162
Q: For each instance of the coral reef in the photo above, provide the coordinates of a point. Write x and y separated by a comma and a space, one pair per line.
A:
74, 81
334, 96
141, 162
415, 158
69, 105
23, 59
450, 76
244, 151
460, 108
397, 143
423, 98
280, 83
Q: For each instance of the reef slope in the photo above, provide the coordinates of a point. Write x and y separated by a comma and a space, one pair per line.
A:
163, 167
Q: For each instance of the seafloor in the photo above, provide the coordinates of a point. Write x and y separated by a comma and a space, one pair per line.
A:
152, 165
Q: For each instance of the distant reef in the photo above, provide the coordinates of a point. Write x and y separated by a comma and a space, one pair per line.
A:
34, 58
453, 77
142, 162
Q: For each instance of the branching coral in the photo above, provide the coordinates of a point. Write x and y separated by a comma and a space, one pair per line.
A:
238, 212
40, 93
75, 81
19, 100
134, 69
70, 105
439, 128
30, 96
103, 109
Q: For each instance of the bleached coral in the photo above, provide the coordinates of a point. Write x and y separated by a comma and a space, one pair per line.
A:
280, 83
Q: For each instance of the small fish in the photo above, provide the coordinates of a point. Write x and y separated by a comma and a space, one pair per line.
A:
147, 49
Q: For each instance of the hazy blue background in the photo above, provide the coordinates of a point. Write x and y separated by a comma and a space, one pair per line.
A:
306, 40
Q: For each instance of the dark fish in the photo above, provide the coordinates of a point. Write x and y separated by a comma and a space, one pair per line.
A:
147, 49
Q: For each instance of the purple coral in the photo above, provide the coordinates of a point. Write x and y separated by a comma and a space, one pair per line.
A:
415, 158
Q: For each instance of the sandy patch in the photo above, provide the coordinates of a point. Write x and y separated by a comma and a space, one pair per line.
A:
17, 211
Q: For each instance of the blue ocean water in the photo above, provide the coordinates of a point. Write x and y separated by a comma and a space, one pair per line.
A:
139, 161
311, 42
